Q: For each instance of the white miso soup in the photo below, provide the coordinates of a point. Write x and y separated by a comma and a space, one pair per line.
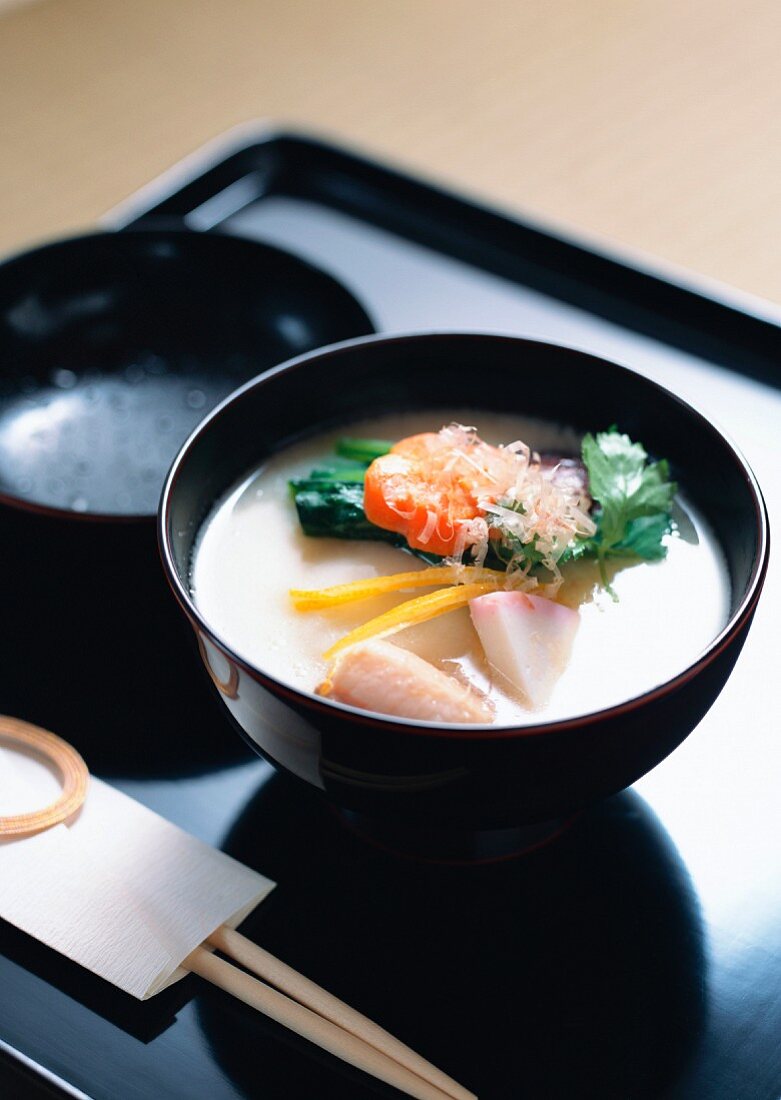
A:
251, 551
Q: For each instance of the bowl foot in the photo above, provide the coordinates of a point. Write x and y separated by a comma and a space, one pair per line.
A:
453, 847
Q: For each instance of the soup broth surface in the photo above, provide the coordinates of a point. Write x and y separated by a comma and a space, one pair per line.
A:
251, 551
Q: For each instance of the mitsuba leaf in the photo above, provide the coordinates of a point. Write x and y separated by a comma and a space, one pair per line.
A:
633, 498
644, 537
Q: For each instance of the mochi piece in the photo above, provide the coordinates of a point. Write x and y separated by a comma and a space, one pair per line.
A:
527, 639
383, 677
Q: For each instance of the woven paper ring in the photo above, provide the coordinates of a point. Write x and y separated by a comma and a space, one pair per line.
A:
72, 770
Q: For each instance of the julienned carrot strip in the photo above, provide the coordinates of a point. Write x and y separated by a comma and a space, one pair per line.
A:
412, 612
319, 599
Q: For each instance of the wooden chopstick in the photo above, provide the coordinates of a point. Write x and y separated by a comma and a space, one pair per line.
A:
308, 1024
301, 989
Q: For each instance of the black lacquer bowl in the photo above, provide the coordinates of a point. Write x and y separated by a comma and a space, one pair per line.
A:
446, 777
112, 348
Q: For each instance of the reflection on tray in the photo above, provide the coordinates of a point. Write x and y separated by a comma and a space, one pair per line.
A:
575, 971
144, 1020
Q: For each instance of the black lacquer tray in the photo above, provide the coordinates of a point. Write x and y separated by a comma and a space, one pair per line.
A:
639, 955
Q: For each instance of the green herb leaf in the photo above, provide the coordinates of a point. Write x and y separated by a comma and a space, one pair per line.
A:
644, 537
634, 498
363, 450
321, 475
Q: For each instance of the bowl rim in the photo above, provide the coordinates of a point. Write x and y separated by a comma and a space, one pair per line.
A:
736, 622
165, 229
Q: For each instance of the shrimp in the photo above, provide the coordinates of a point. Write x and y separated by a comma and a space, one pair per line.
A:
430, 488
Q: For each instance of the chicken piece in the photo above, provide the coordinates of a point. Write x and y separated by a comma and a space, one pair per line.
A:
383, 677
527, 639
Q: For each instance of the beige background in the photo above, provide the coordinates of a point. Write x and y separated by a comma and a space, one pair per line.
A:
653, 122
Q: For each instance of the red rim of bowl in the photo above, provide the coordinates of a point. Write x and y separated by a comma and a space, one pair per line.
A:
722, 641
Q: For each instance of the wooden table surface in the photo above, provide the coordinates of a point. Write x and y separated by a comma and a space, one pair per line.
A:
655, 124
